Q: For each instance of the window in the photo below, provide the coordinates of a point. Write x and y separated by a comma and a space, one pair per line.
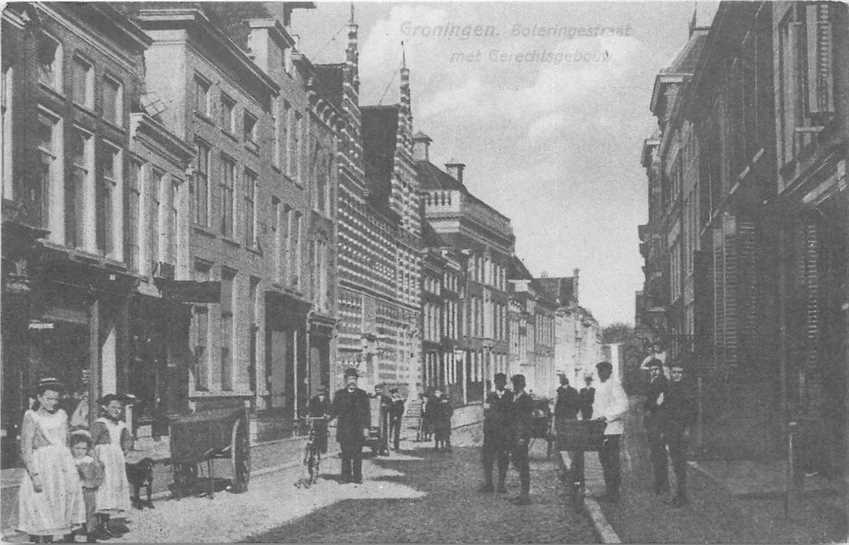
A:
227, 328
154, 196
169, 219
276, 235
6, 110
133, 214
50, 175
202, 105
113, 101
296, 147
228, 174
249, 128
108, 209
275, 132
200, 332
77, 190
321, 179
82, 88
285, 120
296, 254
50, 62
288, 65
250, 186
200, 196
228, 110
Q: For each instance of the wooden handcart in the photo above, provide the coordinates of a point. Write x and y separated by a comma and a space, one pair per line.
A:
201, 439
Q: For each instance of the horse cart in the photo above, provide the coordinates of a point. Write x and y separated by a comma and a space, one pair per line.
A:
200, 440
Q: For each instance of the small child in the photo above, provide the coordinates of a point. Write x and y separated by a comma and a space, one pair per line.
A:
91, 476
111, 440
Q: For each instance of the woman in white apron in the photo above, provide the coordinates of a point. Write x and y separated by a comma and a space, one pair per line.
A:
111, 440
50, 500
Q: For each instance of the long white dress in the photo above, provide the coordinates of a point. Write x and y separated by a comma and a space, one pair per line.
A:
59, 507
113, 495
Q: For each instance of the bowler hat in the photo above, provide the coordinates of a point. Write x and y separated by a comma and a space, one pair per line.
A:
500, 376
351, 372
604, 365
518, 379
654, 362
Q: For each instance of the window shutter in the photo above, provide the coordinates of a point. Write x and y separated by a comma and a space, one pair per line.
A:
819, 59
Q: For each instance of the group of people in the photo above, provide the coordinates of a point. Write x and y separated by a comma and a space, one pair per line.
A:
436, 419
75, 478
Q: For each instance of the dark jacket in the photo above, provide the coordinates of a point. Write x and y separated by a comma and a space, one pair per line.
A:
678, 410
396, 409
317, 407
656, 387
587, 399
353, 413
440, 414
568, 403
496, 417
522, 417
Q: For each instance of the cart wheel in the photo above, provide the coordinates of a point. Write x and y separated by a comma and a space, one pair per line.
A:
240, 456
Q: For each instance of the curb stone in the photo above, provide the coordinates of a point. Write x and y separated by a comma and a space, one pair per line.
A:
591, 507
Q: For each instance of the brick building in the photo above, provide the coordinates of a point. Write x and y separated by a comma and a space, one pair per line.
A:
485, 239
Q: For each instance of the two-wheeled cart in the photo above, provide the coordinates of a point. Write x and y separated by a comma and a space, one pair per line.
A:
203, 438
579, 437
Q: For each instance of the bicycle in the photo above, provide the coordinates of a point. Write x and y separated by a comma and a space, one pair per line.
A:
579, 437
312, 452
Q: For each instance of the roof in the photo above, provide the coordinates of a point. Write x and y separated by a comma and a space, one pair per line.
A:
559, 289
433, 177
516, 270
380, 127
329, 80
682, 66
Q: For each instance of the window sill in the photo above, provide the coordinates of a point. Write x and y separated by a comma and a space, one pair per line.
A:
86, 109
253, 250
230, 241
252, 147
198, 228
229, 135
114, 125
52, 90
276, 168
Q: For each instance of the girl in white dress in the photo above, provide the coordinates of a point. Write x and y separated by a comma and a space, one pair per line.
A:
111, 440
50, 500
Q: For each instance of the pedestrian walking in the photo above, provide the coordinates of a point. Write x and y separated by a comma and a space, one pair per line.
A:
91, 473
657, 450
353, 413
112, 440
677, 414
441, 411
522, 422
426, 428
319, 407
496, 433
587, 394
396, 413
50, 499
610, 406
566, 407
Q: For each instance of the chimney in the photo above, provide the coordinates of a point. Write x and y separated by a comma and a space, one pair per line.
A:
575, 274
421, 147
455, 169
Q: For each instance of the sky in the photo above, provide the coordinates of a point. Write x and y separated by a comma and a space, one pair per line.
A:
547, 104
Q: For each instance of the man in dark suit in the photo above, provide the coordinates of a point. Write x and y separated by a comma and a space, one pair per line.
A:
522, 421
567, 407
319, 407
587, 398
677, 414
657, 451
396, 413
351, 408
496, 433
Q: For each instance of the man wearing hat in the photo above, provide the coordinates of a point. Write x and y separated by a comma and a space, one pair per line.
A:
319, 407
610, 406
657, 451
522, 421
587, 394
677, 414
396, 413
496, 433
351, 408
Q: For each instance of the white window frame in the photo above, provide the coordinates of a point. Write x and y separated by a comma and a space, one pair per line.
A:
115, 236
119, 100
54, 194
88, 100
88, 213
201, 82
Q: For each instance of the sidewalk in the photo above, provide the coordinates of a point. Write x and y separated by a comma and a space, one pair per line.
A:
731, 502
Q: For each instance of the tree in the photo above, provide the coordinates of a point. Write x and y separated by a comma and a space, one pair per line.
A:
632, 353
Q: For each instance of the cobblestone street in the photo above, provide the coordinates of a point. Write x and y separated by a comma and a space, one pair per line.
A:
441, 505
